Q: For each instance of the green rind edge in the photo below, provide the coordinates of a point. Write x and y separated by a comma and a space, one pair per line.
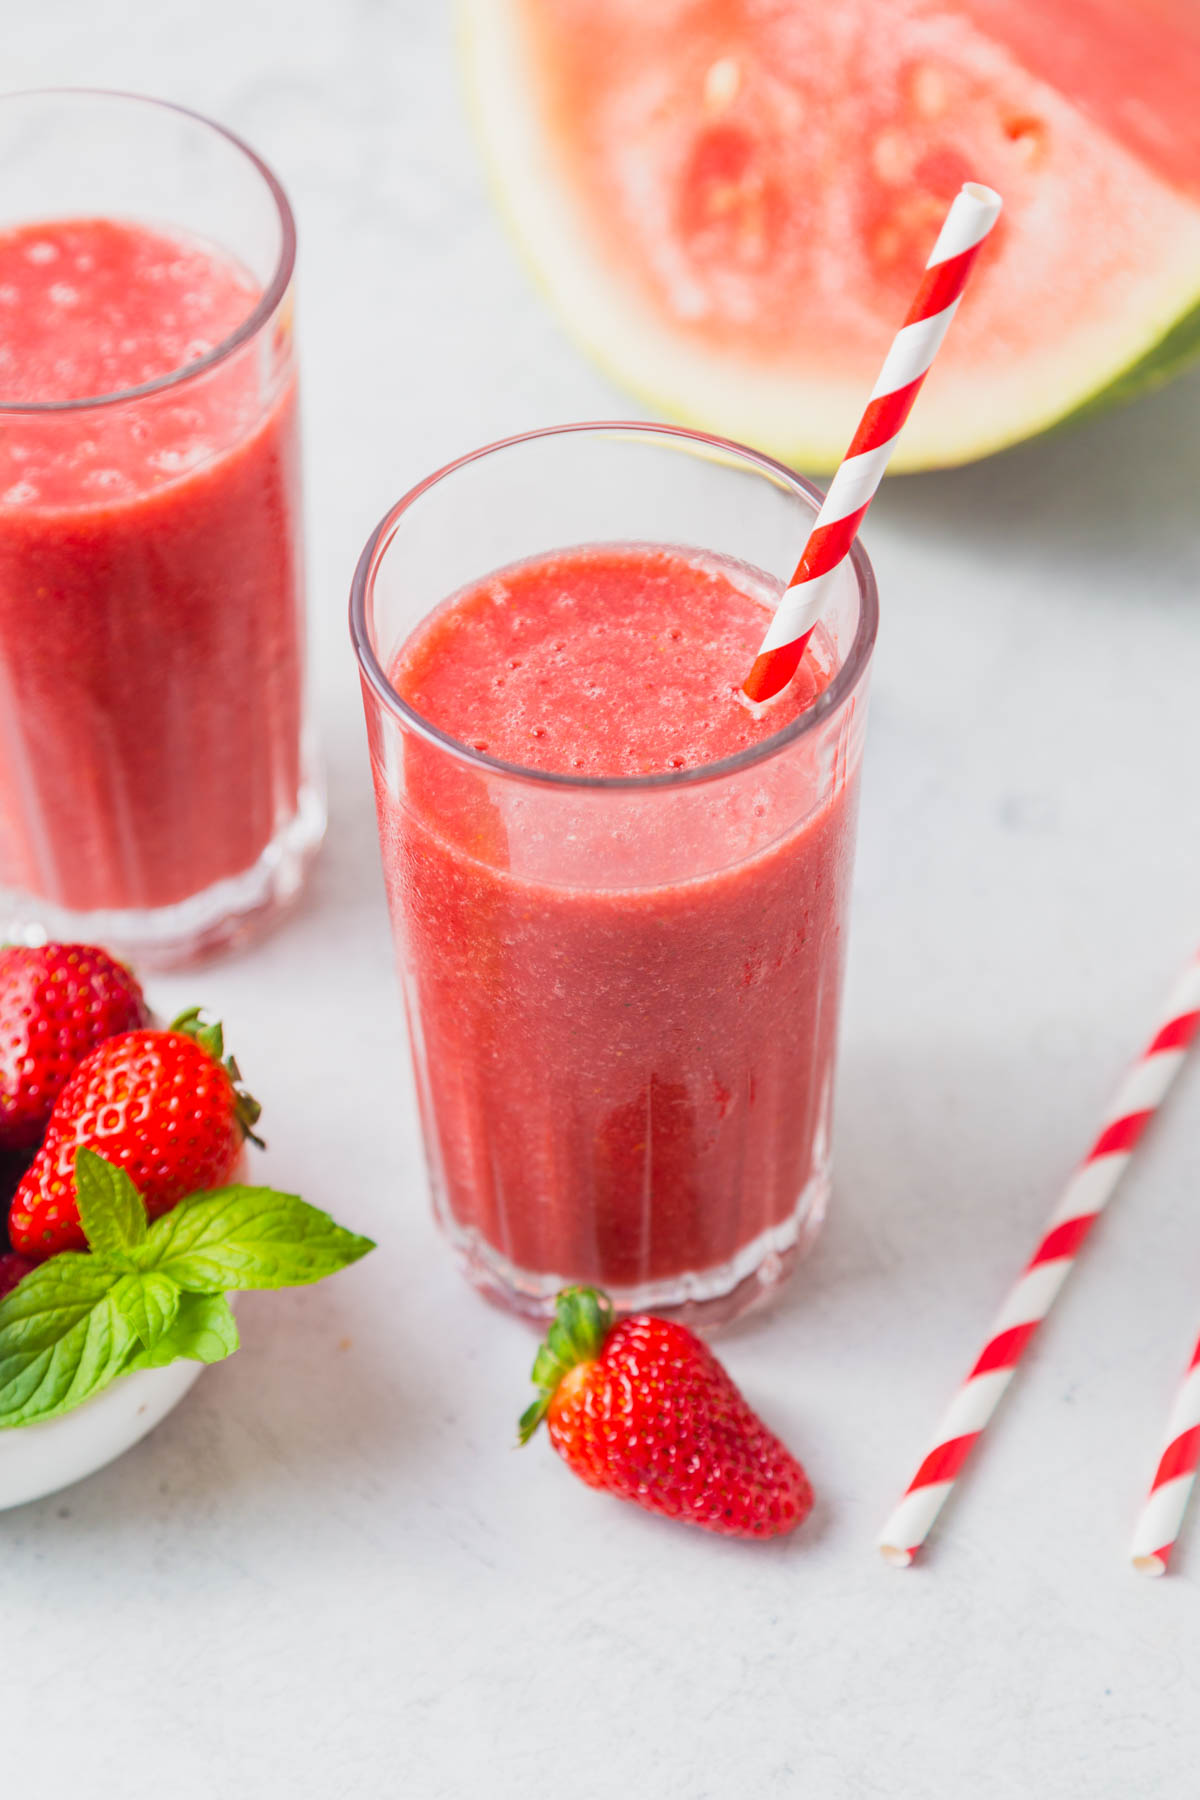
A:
1170, 356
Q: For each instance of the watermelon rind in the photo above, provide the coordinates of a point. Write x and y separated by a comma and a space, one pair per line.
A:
1174, 352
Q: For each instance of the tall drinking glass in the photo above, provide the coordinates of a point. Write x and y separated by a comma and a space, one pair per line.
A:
158, 791
622, 992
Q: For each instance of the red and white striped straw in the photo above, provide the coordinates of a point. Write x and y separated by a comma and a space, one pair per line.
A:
970, 219
1160, 1519
1088, 1192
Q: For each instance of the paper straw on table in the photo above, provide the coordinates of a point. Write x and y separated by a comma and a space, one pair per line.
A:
970, 219
1088, 1192
1160, 1519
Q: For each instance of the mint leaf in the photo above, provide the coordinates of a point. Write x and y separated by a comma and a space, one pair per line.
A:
63, 1337
148, 1295
110, 1208
205, 1330
245, 1237
150, 1302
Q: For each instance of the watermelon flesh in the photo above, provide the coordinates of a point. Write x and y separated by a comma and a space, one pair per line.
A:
1132, 66
730, 201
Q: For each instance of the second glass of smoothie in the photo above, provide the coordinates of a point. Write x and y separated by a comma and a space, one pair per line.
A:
157, 787
619, 890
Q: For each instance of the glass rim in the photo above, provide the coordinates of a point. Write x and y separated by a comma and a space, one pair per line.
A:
828, 701
263, 307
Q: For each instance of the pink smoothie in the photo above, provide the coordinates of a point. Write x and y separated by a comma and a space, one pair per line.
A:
150, 576
624, 1004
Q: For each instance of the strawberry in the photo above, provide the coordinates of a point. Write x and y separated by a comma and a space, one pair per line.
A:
13, 1268
645, 1410
163, 1105
57, 1002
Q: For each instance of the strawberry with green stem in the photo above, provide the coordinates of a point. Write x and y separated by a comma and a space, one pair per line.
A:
168, 1107
644, 1410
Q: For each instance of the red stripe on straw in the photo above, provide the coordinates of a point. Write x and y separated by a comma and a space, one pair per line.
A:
1179, 1458
943, 284
1004, 1349
944, 1463
1177, 1035
1065, 1240
773, 669
883, 418
828, 544
1121, 1135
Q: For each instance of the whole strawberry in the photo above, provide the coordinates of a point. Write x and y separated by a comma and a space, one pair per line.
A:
645, 1410
163, 1105
57, 1003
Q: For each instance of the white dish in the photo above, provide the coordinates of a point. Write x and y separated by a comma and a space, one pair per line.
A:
36, 1460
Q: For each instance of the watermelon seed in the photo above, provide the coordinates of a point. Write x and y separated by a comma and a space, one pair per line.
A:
1029, 136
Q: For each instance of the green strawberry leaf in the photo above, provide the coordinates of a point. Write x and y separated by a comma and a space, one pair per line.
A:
247, 1237
150, 1302
208, 1033
583, 1318
205, 1330
63, 1337
110, 1208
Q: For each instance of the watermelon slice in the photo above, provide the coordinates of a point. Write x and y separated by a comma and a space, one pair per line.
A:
730, 201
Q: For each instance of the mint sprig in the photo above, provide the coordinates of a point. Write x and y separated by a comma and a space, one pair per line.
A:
150, 1294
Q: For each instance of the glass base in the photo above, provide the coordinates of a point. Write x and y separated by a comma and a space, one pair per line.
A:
167, 937
704, 1297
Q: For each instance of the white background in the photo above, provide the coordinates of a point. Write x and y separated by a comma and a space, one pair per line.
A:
327, 1573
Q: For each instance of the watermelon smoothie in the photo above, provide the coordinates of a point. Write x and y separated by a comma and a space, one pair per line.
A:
153, 792
620, 896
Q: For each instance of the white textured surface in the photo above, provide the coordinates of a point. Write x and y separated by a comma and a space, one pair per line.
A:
326, 1573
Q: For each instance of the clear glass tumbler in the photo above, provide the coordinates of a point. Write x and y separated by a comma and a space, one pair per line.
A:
622, 993
158, 790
